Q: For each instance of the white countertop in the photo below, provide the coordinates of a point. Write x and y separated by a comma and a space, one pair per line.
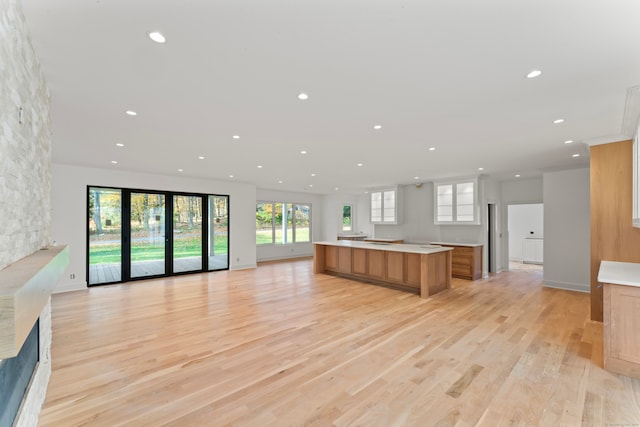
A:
619, 273
471, 245
391, 247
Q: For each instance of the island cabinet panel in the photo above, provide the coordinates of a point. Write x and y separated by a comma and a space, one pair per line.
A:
344, 260
359, 261
412, 268
376, 265
621, 326
331, 258
395, 267
435, 273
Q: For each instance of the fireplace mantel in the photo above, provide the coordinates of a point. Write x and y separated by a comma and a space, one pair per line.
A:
25, 289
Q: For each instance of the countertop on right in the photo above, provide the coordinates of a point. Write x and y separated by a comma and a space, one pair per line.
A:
619, 273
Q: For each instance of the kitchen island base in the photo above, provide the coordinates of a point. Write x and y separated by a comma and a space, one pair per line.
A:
426, 271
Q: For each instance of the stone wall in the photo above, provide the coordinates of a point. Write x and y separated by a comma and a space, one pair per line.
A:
25, 177
25, 167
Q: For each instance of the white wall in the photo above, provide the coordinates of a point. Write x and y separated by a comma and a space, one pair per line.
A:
416, 217
567, 228
332, 214
69, 211
271, 252
524, 221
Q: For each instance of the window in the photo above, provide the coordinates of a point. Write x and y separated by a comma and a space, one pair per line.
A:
456, 202
282, 223
347, 219
384, 207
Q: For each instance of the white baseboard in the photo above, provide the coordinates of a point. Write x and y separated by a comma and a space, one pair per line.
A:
242, 266
577, 287
70, 287
286, 257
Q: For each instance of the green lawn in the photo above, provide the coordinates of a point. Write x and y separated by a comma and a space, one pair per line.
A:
264, 236
183, 248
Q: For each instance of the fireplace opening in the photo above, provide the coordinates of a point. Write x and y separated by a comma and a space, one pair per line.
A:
16, 374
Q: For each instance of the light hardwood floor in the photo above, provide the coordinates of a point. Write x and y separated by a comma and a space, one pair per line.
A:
280, 346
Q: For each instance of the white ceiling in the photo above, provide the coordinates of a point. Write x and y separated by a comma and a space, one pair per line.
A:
444, 74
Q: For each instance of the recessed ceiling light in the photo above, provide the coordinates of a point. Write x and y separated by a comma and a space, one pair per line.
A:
336, 188
416, 177
517, 175
230, 176
534, 74
157, 37
480, 169
201, 157
180, 170
303, 96
279, 182
360, 164
303, 152
575, 155
313, 174
557, 121
236, 136
377, 127
115, 162
310, 185
568, 141
366, 192
131, 113
432, 148
259, 166
120, 144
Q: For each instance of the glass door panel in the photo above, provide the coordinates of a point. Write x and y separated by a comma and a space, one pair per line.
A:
218, 232
105, 235
187, 233
147, 234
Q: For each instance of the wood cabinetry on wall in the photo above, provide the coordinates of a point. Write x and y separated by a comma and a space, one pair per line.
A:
613, 238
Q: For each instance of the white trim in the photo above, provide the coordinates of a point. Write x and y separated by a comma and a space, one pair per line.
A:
70, 287
576, 287
238, 267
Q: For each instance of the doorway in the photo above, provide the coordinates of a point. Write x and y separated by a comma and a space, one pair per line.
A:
525, 225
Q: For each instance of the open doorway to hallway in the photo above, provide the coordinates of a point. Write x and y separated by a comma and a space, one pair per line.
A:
526, 238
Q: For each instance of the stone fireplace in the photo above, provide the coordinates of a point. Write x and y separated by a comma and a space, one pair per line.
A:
25, 333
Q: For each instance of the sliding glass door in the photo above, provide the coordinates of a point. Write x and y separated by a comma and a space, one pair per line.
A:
218, 232
137, 234
187, 233
147, 234
104, 235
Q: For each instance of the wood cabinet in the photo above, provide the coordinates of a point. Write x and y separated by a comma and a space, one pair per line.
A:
466, 261
621, 326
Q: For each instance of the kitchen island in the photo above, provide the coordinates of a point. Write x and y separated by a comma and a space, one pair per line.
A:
424, 269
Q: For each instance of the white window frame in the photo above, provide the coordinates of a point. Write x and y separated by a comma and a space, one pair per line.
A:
293, 239
384, 219
455, 205
342, 230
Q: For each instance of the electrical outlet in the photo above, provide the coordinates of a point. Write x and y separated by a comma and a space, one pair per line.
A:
72, 276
